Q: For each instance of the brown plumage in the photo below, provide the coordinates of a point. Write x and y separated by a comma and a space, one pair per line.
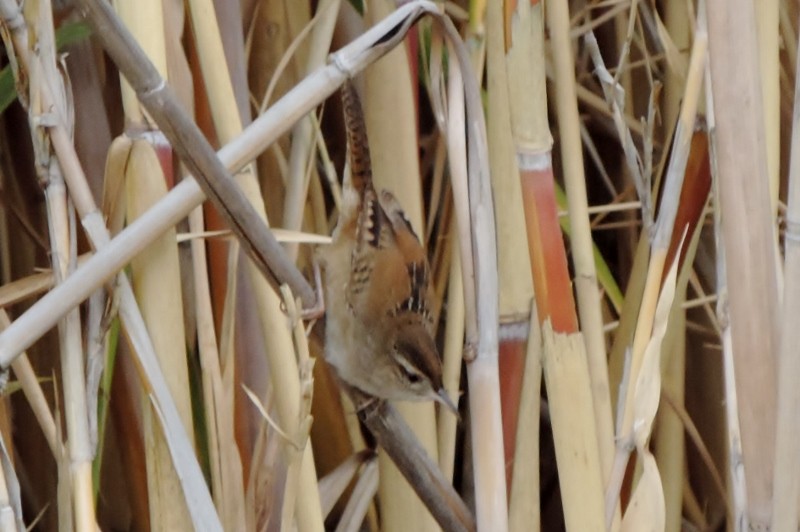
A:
379, 330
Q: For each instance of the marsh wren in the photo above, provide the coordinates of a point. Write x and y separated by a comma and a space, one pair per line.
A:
379, 332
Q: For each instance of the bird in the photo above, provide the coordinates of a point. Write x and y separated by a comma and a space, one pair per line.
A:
379, 330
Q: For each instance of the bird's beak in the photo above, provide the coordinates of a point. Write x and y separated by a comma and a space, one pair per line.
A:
443, 398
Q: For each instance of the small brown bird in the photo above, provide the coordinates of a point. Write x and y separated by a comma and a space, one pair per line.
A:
379, 333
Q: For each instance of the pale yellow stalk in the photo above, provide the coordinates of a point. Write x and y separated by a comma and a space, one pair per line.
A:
42, 72
284, 372
531, 133
224, 459
145, 20
145, 183
513, 260
588, 293
669, 438
646, 508
524, 509
297, 429
768, 34
29, 383
569, 398
451, 359
155, 275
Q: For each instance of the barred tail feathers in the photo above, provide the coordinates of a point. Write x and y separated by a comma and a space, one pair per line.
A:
358, 146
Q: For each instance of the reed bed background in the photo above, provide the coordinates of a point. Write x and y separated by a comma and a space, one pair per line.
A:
608, 191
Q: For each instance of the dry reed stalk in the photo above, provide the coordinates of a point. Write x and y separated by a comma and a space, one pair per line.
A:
531, 134
42, 72
100, 347
35, 395
597, 103
633, 162
224, 458
32, 285
65, 512
768, 44
787, 446
676, 20
477, 247
285, 380
747, 230
155, 276
145, 22
451, 359
524, 507
413, 461
155, 272
363, 493
450, 143
670, 450
644, 335
564, 361
267, 55
335, 483
645, 510
580, 232
576, 416
669, 437
736, 470
223, 455
671, 441
623, 335
516, 286
736, 473
300, 475
504, 75
475, 37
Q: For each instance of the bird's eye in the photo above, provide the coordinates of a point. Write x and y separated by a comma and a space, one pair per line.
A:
413, 378
411, 374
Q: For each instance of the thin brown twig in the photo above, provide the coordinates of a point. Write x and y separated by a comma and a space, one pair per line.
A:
396, 438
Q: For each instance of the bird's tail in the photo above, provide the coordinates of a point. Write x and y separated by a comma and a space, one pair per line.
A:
358, 146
